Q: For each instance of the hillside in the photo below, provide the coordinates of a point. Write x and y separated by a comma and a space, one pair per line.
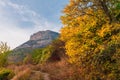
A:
38, 40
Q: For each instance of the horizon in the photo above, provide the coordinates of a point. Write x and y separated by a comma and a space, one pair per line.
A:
21, 18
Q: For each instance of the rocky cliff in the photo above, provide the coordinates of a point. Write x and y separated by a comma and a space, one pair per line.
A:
39, 39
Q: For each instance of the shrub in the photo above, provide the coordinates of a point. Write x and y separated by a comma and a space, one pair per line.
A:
57, 50
41, 55
3, 59
5, 74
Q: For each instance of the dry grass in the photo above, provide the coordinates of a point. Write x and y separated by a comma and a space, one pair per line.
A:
36, 75
61, 71
22, 75
25, 72
21, 72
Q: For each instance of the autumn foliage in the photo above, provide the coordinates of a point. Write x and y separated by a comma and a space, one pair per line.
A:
88, 47
91, 33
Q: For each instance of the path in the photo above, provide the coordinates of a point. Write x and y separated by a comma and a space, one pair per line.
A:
45, 75
33, 74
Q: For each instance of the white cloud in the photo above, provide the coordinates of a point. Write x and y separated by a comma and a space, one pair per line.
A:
10, 30
13, 35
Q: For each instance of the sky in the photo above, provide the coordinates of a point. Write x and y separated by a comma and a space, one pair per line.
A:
21, 18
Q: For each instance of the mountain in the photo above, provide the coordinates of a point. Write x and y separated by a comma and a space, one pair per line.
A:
38, 40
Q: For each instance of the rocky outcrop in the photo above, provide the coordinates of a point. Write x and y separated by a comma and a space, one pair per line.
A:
40, 39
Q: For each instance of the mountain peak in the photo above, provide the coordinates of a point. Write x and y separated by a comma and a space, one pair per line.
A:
43, 35
40, 39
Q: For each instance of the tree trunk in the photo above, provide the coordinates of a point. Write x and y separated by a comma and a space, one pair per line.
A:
105, 9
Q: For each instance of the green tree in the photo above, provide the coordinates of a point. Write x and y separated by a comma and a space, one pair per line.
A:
4, 51
4, 47
3, 59
41, 55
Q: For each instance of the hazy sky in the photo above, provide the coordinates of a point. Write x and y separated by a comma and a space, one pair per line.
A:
21, 18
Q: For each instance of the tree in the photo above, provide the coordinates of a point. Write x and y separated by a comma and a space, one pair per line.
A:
57, 50
4, 47
4, 51
41, 55
91, 34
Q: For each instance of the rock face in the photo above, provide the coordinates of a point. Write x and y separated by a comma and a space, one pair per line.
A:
40, 39
37, 40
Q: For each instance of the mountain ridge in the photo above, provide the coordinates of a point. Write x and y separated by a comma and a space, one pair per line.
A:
39, 39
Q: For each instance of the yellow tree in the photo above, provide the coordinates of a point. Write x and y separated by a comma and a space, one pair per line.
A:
91, 34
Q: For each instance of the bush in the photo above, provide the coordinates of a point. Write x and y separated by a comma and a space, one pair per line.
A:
41, 55
5, 74
3, 59
57, 50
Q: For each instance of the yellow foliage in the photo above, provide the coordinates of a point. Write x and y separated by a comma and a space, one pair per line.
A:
91, 37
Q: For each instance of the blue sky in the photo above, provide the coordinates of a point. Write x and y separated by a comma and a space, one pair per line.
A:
21, 18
